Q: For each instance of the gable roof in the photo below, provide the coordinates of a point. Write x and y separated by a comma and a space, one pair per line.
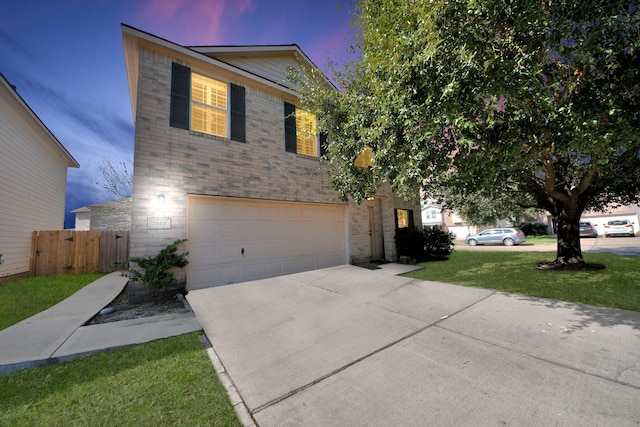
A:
24, 107
115, 203
255, 62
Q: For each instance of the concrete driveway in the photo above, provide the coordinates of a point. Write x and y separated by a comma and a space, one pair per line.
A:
347, 346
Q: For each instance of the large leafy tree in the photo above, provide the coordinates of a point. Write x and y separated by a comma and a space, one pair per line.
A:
537, 99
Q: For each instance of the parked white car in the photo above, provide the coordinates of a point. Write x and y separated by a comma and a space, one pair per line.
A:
619, 227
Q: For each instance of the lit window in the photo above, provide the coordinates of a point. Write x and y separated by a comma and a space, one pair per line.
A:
404, 218
306, 136
208, 105
365, 159
300, 132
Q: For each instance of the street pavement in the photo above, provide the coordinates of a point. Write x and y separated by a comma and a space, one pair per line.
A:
358, 347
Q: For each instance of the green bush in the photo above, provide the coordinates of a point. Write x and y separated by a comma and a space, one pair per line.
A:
438, 243
423, 244
157, 270
534, 229
410, 243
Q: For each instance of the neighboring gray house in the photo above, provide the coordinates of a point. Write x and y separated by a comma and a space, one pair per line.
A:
33, 180
113, 215
225, 158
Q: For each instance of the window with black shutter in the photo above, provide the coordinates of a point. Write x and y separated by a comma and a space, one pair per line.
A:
238, 128
200, 104
289, 127
180, 89
300, 133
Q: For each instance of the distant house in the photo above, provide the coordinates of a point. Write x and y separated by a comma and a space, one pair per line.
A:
113, 215
33, 179
433, 216
226, 157
600, 219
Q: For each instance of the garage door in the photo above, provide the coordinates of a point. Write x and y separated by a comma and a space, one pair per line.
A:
236, 240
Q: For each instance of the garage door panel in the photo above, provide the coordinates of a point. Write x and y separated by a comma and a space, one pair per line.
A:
272, 247
307, 247
272, 231
274, 268
278, 238
206, 231
291, 249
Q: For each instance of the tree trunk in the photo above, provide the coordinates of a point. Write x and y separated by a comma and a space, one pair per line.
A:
569, 250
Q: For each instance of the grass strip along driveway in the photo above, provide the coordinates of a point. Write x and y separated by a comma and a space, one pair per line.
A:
617, 286
162, 383
25, 297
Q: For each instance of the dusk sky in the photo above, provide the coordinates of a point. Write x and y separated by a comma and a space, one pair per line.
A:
66, 59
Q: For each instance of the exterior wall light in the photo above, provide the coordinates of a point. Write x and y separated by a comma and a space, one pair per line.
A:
160, 199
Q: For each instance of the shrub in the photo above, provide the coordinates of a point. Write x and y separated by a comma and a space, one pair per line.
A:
410, 243
438, 243
423, 244
534, 229
157, 269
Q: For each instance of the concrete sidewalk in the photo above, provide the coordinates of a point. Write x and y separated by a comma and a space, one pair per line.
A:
350, 346
58, 334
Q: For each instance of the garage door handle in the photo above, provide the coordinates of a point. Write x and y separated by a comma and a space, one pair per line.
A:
242, 251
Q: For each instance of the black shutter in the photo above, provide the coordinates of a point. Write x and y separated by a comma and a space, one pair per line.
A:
290, 127
395, 215
180, 91
411, 223
323, 144
238, 128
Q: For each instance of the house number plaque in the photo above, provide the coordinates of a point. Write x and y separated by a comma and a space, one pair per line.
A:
158, 223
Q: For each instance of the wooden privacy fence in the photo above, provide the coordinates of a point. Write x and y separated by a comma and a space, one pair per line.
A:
61, 252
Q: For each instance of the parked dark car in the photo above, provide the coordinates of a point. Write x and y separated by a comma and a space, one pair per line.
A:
588, 230
507, 236
619, 227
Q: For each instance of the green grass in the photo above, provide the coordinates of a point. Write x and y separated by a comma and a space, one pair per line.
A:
25, 297
542, 240
617, 286
162, 383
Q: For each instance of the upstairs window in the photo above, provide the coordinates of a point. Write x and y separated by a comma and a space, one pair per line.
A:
364, 159
208, 105
205, 105
300, 132
306, 139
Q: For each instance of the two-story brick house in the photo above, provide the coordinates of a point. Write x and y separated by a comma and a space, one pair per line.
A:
226, 159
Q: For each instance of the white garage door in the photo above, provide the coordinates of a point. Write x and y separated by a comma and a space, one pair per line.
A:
236, 240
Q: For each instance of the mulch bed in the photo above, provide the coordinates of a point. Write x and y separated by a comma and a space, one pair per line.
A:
123, 309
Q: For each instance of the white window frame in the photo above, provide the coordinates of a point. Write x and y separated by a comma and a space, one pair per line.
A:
227, 109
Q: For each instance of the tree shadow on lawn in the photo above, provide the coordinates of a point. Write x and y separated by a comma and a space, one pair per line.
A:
590, 314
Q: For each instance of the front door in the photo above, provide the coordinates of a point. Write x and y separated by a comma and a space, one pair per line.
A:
376, 238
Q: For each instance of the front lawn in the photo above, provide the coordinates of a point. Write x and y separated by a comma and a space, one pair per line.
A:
166, 382
25, 297
542, 240
617, 286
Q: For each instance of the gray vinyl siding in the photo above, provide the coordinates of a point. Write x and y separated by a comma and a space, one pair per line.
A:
272, 68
